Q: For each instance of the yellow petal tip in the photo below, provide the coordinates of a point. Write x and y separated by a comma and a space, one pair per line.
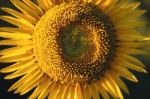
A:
135, 79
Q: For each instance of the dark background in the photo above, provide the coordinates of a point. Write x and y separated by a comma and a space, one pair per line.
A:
137, 91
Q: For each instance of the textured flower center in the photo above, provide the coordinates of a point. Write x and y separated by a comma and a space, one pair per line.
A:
74, 42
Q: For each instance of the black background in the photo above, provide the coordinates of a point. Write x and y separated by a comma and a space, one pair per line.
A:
137, 91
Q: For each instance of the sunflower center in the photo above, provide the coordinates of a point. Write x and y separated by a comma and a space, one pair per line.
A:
74, 42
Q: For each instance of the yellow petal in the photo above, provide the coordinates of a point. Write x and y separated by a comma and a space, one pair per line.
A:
61, 91
95, 92
34, 7
23, 79
25, 50
125, 73
114, 86
123, 50
47, 89
130, 24
14, 30
55, 92
19, 15
130, 35
65, 92
16, 58
120, 83
15, 35
45, 4
33, 83
17, 66
120, 6
87, 91
29, 81
134, 5
98, 2
107, 86
16, 49
89, 1
126, 13
25, 9
106, 3
16, 42
85, 0
78, 92
131, 65
103, 92
71, 92
111, 88
110, 9
17, 22
131, 44
131, 16
39, 88
125, 9
133, 60
22, 71
128, 32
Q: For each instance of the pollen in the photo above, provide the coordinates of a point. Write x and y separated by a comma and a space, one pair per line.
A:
74, 42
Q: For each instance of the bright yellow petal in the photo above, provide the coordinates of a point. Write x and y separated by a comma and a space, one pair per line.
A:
55, 92
65, 92
15, 35
125, 73
98, 2
23, 79
29, 81
39, 88
78, 92
16, 50
17, 66
16, 58
14, 30
71, 92
132, 60
110, 9
103, 92
47, 89
114, 86
32, 83
107, 86
16, 42
19, 15
22, 71
17, 22
25, 50
130, 65
45, 4
34, 7
25, 9
120, 83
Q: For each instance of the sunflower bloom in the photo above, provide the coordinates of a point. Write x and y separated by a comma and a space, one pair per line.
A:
72, 49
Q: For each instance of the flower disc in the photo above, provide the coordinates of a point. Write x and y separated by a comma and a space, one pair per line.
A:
74, 42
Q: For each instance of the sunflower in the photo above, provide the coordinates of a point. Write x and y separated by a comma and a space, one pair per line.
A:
72, 49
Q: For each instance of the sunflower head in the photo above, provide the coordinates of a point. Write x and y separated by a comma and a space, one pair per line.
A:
72, 49
76, 40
